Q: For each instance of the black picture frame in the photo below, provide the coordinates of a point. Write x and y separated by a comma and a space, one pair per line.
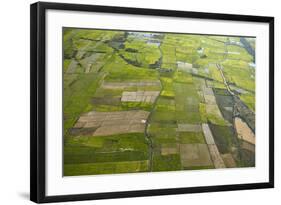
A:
38, 101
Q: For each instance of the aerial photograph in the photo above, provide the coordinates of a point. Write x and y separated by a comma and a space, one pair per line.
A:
145, 101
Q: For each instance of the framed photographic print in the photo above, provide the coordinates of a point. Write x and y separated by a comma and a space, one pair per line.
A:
129, 102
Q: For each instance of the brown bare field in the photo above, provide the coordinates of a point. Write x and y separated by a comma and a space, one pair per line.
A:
108, 123
140, 96
123, 85
243, 131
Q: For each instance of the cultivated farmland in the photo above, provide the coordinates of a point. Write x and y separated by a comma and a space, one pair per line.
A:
148, 101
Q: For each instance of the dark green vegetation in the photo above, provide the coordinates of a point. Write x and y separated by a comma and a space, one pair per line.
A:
182, 81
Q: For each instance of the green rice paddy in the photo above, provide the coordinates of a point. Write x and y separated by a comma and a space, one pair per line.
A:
99, 66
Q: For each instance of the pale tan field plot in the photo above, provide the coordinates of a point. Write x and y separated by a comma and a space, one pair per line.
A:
109, 123
244, 132
193, 155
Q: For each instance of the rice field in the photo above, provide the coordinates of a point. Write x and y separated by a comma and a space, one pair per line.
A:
147, 102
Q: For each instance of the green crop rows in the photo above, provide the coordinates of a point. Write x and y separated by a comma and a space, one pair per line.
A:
197, 78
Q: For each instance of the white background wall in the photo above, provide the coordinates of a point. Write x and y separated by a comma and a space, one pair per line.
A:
14, 100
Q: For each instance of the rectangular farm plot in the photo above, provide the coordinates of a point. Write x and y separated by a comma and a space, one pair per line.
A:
105, 168
189, 128
187, 104
191, 137
125, 85
165, 104
214, 152
169, 148
195, 155
244, 132
140, 96
108, 123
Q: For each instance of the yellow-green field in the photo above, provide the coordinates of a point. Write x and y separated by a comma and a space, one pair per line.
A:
146, 102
